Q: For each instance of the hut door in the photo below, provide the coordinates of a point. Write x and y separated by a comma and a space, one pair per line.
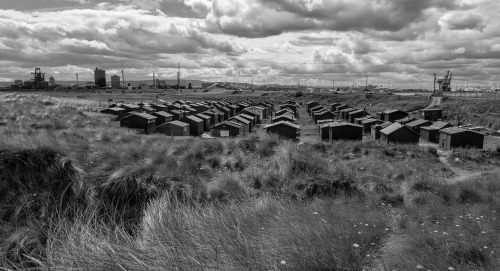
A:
443, 142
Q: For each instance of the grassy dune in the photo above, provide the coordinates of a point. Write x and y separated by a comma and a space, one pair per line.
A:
78, 193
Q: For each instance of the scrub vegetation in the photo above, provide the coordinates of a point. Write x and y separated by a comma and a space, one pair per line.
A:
79, 193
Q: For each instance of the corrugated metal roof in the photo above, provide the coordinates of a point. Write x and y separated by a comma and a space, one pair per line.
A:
439, 124
417, 122
391, 128
282, 123
453, 130
148, 108
202, 116
193, 118
240, 119
341, 124
142, 115
370, 120
356, 111
177, 123
163, 114
385, 124
347, 110
230, 123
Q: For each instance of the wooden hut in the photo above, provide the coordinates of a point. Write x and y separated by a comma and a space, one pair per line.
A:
455, 137
286, 117
398, 133
368, 124
246, 123
355, 114
405, 120
160, 107
195, 125
142, 121
333, 107
344, 113
341, 131
118, 112
174, 128
324, 115
284, 130
375, 133
431, 133
432, 114
417, 124
252, 119
392, 115
282, 112
227, 129
176, 114
162, 117
311, 104
130, 107
207, 122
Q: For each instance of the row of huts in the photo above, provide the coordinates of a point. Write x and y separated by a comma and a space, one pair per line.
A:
347, 123
183, 118
284, 122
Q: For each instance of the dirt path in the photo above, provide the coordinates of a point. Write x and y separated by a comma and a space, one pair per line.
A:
435, 102
460, 175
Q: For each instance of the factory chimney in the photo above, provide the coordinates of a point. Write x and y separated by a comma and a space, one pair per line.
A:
179, 77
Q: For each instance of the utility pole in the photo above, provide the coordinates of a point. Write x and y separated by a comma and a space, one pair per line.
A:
154, 81
389, 84
366, 84
333, 84
123, 78
77, 80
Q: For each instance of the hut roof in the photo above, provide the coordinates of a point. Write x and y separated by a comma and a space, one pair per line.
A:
242, 119
230, 123
141, 115
202, 116
390, 111
369, 120
457, 130
163, 114
177, 123
417, 122
341, 124
440, 124
391, 128
194, 118
286, 123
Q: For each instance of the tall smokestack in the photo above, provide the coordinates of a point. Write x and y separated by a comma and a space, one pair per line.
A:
123, 79
179, 77
154, 82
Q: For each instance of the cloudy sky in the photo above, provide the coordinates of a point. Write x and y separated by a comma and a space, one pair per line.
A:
267, 41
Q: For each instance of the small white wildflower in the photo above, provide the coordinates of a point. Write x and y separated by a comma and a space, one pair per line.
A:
485, 247
451, 268
315, 213
420, 266
283, 262
355, 245
483, 232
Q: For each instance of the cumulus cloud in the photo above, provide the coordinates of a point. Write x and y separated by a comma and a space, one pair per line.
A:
268, 40
460, 20
260, 18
